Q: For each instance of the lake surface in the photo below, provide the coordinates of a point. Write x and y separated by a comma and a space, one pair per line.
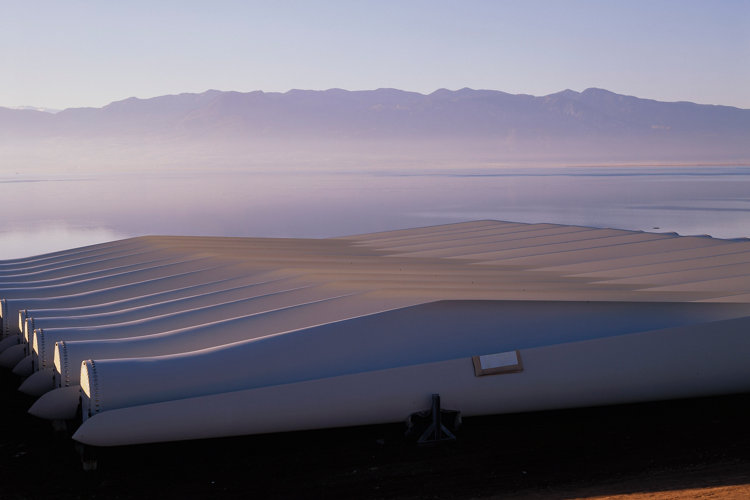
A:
52, 211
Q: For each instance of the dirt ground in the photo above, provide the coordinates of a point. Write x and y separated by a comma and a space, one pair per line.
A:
680, 449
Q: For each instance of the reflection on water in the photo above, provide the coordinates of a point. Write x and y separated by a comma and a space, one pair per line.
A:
50, 238
47, 213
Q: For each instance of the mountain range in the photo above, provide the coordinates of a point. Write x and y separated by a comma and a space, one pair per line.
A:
594, 124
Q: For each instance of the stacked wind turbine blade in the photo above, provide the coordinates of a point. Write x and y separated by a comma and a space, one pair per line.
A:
162, 338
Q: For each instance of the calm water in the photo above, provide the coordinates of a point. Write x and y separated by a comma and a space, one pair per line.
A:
42, 213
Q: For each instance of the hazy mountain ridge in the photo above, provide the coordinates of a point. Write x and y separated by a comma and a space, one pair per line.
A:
564, 122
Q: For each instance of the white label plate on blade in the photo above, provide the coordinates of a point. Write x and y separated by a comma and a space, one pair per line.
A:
500, 362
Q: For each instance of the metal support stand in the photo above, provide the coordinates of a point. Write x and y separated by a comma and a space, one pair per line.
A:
436, 430
88, 455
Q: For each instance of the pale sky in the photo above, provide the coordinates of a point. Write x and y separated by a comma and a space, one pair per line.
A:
71, 53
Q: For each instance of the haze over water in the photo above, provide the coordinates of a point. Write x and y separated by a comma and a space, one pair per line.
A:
46, 211
74, 55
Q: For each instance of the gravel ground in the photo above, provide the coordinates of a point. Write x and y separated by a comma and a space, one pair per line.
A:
678, 449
